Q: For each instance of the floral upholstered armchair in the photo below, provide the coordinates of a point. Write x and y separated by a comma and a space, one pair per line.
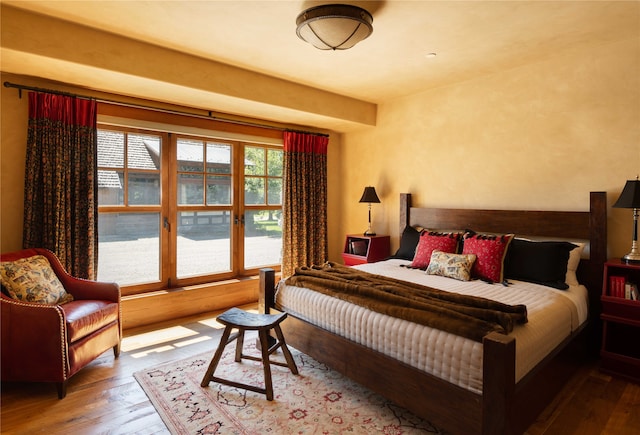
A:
53, 324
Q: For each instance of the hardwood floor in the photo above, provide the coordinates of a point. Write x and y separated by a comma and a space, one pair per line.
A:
104, 398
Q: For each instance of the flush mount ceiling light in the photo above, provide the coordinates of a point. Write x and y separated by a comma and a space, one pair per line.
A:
334, 27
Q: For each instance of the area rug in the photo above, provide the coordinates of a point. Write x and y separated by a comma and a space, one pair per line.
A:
316, 401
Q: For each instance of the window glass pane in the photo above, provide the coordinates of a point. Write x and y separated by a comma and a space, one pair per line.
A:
125, 239
253, 190
204, 243
143, 151
218, 190
190, 155
218, 158
144, 188
263, 238
274, 163
110, 149
254, 161
110, 187
190, 189
275, 191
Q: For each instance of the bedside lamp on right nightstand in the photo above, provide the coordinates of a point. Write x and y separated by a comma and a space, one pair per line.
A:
630, 198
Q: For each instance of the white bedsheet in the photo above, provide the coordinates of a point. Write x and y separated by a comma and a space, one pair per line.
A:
553, 315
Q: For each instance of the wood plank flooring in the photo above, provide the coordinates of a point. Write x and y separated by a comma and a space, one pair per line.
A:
104, 398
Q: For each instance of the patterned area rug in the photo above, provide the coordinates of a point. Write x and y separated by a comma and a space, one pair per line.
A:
317, 401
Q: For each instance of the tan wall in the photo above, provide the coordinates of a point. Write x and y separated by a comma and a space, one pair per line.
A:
537, 137
14, 117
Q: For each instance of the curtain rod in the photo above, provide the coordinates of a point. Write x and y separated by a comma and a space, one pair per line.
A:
141, 106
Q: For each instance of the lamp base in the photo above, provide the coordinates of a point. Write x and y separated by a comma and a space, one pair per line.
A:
369, 233
634, 255
631, 258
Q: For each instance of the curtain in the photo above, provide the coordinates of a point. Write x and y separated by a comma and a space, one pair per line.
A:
304, 224
60, 202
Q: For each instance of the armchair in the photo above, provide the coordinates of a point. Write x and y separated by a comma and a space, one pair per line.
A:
52, 342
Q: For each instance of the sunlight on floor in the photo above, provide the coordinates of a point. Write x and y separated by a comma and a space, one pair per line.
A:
156, 337
212, 323
155, 346
165, 339
171, 346
193, 341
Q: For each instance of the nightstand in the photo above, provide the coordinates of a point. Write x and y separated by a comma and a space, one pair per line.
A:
620, 353
365, 249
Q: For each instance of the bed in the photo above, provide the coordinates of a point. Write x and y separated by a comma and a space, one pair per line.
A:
510, 393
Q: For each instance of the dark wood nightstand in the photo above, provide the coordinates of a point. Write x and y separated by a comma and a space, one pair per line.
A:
365, 249
620, 353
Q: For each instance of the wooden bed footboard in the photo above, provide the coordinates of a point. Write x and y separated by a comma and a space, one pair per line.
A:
394, 380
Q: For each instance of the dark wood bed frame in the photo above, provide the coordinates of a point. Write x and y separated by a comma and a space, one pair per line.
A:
504, 407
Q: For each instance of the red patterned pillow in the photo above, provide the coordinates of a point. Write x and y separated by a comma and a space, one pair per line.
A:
431, 241
490, 252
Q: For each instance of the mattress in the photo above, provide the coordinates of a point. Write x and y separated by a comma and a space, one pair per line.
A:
553, 315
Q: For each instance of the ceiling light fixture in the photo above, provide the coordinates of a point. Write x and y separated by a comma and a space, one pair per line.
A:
334, 27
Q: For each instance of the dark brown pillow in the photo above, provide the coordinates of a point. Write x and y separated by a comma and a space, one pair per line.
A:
408, 244
542, 263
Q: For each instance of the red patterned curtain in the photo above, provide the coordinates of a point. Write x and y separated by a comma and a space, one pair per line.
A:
304, 225
60, 196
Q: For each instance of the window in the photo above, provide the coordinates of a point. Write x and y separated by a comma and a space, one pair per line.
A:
263, 206
129, 192
180, 209
204, 209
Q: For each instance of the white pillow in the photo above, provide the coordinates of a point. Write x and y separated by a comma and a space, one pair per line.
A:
574, 260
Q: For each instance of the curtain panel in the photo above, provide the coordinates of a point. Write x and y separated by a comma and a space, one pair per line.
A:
304, 226
61, 186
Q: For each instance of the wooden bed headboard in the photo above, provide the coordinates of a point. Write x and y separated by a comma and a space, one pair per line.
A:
590, 226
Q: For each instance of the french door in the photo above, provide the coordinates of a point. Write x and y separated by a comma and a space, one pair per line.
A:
178, 210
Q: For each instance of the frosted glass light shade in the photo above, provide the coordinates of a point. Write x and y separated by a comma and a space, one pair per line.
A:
334, 27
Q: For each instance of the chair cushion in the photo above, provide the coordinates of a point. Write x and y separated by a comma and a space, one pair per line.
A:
87, 316
32, 279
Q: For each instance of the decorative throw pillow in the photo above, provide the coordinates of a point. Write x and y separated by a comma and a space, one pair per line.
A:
540, 262
490, 252
408, 243
430, 241
456, 266
32, 279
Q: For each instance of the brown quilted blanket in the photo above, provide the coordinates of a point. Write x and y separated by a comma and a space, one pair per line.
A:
467, 316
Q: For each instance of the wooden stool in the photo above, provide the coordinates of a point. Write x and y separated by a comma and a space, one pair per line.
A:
243, 321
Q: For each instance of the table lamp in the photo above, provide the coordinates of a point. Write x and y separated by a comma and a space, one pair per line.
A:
630, 198
369, 195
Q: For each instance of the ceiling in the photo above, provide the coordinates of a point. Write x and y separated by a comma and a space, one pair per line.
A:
470, 38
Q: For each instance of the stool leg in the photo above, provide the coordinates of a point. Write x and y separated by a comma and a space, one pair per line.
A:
268, 386
216, 357
285, 350
239, 344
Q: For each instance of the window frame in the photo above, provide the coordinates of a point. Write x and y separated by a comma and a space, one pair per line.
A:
173, 126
